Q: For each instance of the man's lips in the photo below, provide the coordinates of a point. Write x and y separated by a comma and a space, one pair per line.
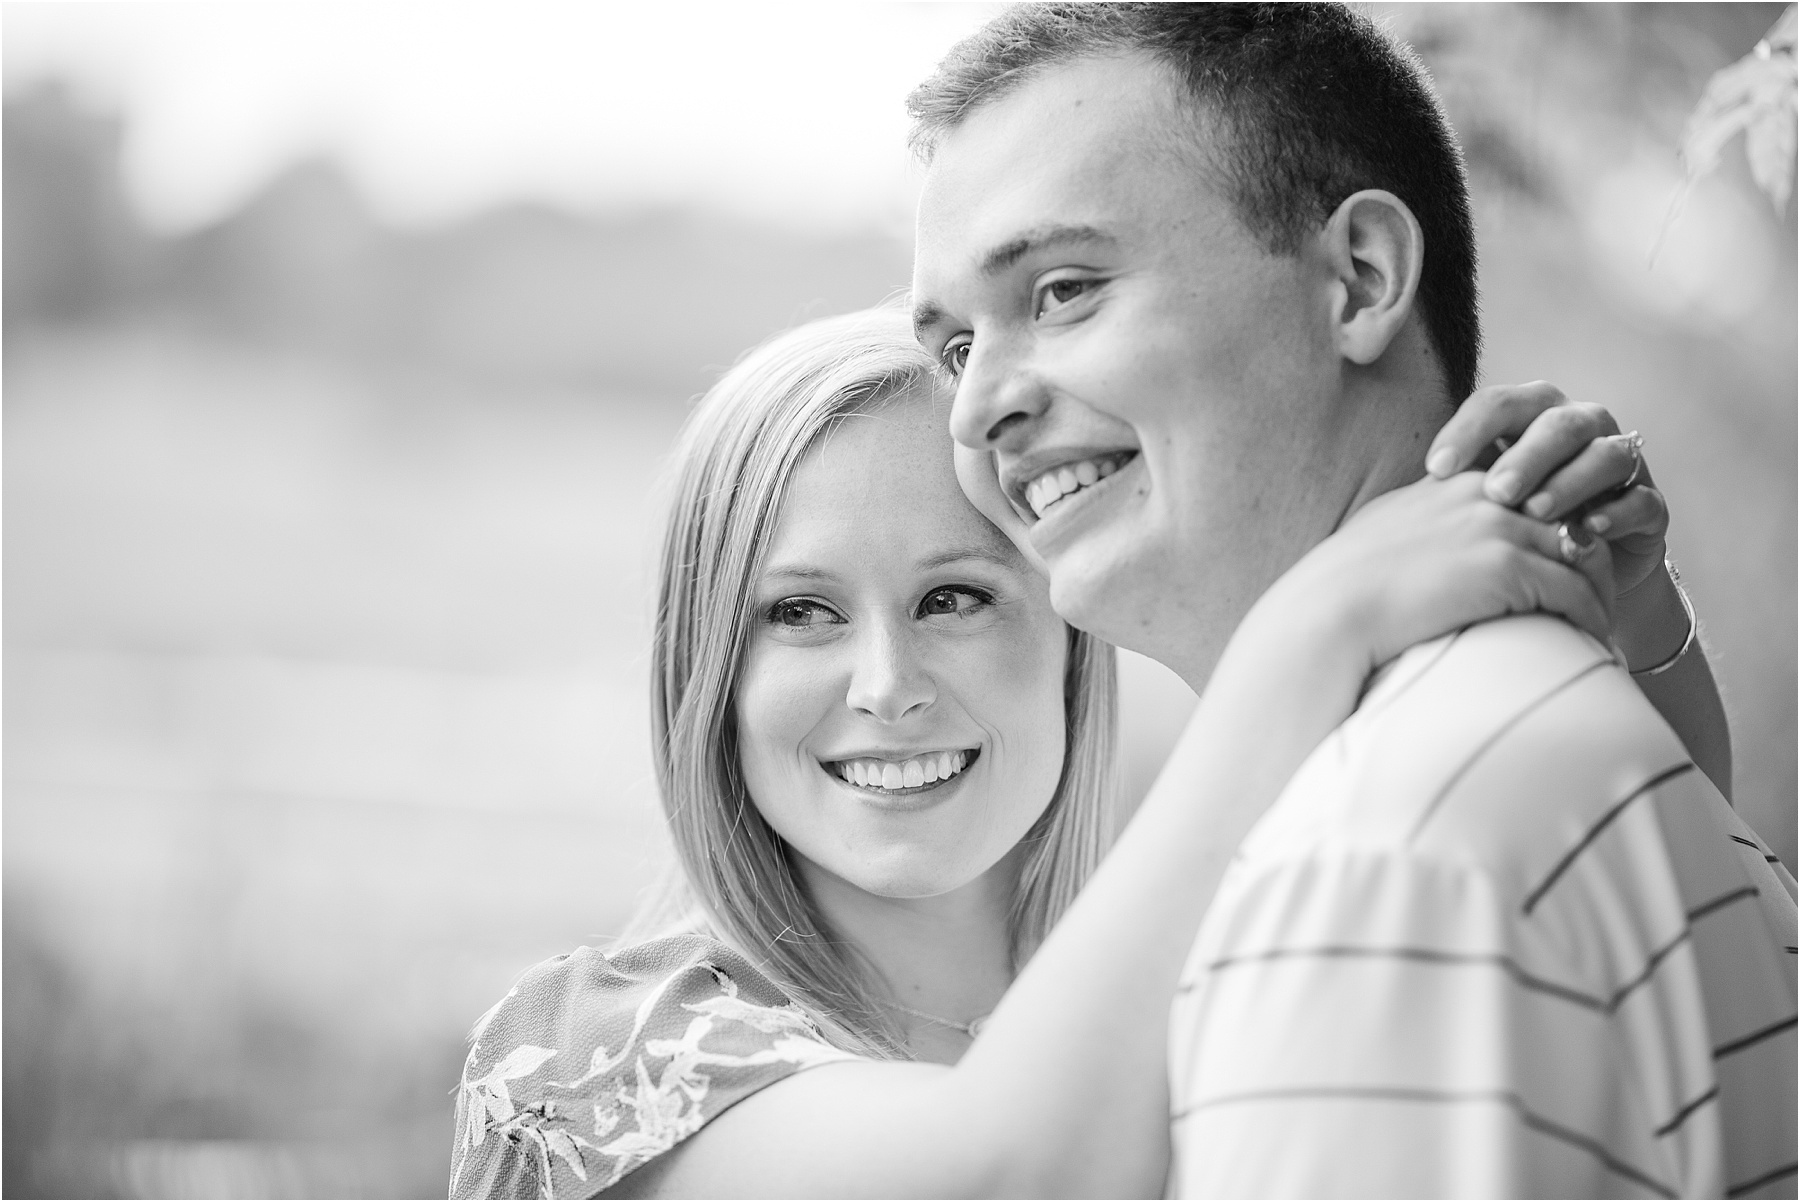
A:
1036, 488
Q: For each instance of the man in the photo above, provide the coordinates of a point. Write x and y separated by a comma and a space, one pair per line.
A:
1498, 936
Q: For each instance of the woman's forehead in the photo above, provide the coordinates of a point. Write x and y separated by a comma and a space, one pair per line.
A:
886, 474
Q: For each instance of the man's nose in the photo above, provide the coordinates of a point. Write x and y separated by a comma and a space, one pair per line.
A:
998, 399
889, 680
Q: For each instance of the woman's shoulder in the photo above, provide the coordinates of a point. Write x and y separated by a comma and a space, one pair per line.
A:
597, 1062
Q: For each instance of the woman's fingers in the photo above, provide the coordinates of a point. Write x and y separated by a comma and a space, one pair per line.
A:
1638, 511
1498, 411
1555, 438
1566, 570
1571, 590
1602, 466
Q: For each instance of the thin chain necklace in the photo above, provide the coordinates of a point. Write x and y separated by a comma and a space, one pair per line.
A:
972, 1028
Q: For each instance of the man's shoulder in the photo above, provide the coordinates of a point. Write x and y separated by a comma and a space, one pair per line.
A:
1486, 747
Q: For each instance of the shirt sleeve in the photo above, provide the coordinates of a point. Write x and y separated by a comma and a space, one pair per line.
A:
1371, 1023
594, 1065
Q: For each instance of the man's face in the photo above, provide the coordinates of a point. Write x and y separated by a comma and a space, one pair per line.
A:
1158, 390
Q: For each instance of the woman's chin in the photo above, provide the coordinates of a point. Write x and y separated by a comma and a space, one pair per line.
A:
908, 874
910, 882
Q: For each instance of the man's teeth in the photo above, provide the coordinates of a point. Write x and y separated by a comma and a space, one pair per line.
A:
1058, 483
908, 774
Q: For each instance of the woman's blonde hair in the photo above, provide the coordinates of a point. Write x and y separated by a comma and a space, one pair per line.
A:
735, 458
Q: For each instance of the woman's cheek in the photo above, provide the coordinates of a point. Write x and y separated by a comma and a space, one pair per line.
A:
779, 704
1017, 684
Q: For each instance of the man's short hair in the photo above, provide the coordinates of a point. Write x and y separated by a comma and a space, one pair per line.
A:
1314, 103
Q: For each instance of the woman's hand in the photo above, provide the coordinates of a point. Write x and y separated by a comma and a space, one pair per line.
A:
1562, 458
1426, 559
1565, 460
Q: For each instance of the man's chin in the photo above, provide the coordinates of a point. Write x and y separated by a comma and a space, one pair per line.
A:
1104, 596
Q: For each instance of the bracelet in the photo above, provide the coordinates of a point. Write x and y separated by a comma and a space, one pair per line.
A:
1693, 626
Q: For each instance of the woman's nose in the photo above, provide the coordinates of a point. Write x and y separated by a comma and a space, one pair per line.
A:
889, 680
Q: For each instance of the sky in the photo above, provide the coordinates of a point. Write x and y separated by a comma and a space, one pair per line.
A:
785, 111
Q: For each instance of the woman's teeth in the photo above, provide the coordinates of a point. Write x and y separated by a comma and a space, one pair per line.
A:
908, 774
1059, 482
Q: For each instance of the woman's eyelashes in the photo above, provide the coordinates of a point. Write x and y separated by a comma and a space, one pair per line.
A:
801, 613
954, 600
809, 613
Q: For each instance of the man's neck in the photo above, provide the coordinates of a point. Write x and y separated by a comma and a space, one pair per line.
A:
1392, 421
1388, 418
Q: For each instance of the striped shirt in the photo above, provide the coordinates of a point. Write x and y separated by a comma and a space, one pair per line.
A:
1498, 937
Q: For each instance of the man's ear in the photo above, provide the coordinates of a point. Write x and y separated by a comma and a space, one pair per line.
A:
1375, 250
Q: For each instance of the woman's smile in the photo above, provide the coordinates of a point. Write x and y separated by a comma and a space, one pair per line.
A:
888, 779
907, 653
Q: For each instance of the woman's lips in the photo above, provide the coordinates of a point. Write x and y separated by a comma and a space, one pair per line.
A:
899, 778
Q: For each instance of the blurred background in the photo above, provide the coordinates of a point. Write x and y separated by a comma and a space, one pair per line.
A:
342, 348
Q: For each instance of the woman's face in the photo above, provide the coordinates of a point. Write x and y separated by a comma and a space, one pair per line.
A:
900, 713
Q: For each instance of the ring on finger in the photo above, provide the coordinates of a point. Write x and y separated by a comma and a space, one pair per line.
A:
1573, 549
1634, 442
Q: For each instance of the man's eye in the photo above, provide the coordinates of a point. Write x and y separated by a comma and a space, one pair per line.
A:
795, 612
955, 357
953, 601
1058, 293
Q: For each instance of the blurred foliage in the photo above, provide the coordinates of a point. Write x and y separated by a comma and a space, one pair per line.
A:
326, 592
1753, 96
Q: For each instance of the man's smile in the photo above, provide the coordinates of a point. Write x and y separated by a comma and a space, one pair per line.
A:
1036, 484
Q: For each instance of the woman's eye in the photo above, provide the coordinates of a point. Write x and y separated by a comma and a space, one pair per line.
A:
955, 357
952, 601
1058, 293
797, 613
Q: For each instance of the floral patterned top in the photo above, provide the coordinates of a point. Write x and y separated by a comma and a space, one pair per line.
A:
594, 1064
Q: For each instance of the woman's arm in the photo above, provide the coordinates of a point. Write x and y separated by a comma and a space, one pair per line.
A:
1566, 460
1065, 1091
1651, 626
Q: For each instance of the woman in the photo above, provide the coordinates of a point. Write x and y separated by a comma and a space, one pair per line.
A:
887, 768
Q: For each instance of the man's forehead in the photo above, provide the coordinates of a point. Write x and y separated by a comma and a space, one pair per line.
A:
1055, 162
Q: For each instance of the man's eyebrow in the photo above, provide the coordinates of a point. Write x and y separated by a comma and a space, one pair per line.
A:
1041, 238
927, 314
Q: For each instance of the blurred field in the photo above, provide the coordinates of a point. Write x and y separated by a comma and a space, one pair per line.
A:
326, 549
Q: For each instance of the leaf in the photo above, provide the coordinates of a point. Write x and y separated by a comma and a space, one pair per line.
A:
475, 1112
1750, 90
768, 1019
522, 1061
636, 1144
498, 1100
1754, 96
563, 1146
599, 1064
1769, 145
1781, 37
547, 1181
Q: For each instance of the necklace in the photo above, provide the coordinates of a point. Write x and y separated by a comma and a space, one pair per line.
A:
972, 1028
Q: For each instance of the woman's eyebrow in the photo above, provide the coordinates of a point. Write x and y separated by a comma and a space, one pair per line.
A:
1005, 559
797, 571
